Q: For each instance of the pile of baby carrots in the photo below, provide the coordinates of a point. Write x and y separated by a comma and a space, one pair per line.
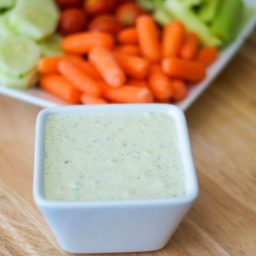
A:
142, 64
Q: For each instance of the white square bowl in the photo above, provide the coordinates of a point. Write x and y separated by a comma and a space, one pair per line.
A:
115, 226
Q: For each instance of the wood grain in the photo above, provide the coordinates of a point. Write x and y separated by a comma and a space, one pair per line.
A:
222, 126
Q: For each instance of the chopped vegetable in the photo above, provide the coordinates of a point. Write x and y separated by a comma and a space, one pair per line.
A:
82, 43
68, 3
34, 19
81, 80
192, 3
191, 71
18, 55
86, 66
134, 66
208, 10
129, 49
92, 100
173, 38
138, 83
49, 65
160, 84
226, 23
60, 87
189, 49
128, 94
147, 4
127, 13
105, 23
148, 37
72, 20
180, 90
5, 26
6, 4
105, 62
162, 16
128, 36
96, 7
20, 82
207, 55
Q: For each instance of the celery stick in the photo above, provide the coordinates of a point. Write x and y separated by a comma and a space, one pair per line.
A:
227, 20
146, 4
209, 10
192, 3
191, 21
162, 16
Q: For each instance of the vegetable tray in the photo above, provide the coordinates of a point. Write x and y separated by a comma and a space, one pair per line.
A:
38, 97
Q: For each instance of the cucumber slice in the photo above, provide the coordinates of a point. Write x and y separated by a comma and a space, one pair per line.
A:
5, 26
18, 55
21, 82
6, 4
36, 19
51, 46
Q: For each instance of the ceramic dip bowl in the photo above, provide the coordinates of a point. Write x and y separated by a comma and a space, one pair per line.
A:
103, 198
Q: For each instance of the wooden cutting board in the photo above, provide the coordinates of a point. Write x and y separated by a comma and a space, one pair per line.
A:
222, 126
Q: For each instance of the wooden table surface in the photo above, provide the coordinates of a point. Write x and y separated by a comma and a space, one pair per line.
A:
222, 124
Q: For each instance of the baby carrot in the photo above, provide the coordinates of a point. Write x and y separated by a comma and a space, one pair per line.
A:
138, 82
179, 90
79, 78
82, 43
191, 71
207, 55
160, 85
133, 66
87, 67
129, 49
164, 101
92, 100
104, 61
173, 37
128, 36
189, 48
148, 37
48, 65
128, 94
60, 87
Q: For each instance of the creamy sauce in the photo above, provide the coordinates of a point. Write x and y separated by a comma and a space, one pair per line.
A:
112, 157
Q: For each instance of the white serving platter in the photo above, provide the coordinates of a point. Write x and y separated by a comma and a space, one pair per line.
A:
38, 97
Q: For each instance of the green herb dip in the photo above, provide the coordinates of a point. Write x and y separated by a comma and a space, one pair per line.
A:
112, 157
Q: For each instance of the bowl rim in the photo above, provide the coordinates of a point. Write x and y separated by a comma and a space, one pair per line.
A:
190, 172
